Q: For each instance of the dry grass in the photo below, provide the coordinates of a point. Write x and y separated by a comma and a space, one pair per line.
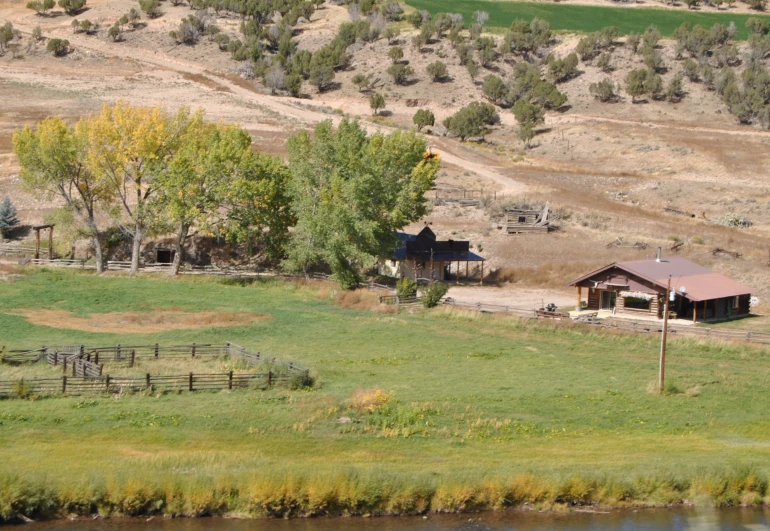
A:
548, 275
363, 300
138, 322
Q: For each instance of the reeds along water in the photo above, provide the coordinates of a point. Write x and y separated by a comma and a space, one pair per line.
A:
273, 493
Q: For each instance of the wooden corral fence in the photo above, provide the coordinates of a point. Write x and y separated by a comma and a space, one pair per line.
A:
45, 262
74, 386
83, 368
9, 249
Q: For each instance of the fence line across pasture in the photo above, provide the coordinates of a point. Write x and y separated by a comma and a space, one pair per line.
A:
643, 327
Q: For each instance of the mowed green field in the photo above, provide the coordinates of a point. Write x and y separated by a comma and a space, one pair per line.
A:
585, 19
437, 410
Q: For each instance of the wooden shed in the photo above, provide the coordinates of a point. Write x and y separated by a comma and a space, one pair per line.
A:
422, 256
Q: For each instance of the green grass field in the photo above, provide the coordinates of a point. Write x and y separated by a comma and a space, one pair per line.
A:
582, 18
472, 411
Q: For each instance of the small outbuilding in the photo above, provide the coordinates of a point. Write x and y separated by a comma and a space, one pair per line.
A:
422, 256
639, 288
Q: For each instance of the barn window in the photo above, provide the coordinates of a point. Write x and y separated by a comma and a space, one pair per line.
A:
164, 256
522, 219
636, 303
735, 302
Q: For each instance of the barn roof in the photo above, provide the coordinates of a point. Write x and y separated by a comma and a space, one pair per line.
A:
700, 283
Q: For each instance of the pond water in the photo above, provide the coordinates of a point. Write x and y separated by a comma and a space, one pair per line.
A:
641, 520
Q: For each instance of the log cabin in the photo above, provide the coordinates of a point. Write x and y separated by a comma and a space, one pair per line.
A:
638, 288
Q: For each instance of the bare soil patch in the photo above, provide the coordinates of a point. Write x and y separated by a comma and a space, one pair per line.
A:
138, 322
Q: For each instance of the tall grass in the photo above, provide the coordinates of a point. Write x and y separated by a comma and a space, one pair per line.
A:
345, 493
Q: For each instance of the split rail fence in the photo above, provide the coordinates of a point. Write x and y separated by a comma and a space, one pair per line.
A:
83, 370
643, 327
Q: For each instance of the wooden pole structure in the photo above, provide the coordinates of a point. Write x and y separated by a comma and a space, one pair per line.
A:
37, 244
481, 280
50, 242
663, 338
580, 296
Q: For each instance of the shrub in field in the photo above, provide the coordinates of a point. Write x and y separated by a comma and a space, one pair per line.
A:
432, 294
301, 380
400, 73
423, 118
561, 70
376, 102
495, 89
437, 71
369, 400
72, 7
406, 288
603, 90
41, 7
151, 8
471, 121
58, 47
734, 220
396, 53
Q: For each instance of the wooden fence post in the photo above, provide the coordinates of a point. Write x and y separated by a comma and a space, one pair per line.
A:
230, 380
96, 358
191, 381
64, 384
133, 356
82, 348
193, 350
147, 379
74, 367
269, 378
56, 358
107, 383
117, 352
64, 366
156, 351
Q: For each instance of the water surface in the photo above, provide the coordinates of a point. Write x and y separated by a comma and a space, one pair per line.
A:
641, 520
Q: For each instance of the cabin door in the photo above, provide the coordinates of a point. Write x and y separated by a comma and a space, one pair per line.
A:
608, 300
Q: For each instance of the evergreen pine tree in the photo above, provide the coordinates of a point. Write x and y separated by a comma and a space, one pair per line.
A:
8, 219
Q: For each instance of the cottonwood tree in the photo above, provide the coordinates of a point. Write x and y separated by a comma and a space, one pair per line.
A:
53, 165
129, 147
192, 186
351, 193
257, 205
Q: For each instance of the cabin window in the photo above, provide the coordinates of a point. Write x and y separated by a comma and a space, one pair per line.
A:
735, 302
636, 303
522, 219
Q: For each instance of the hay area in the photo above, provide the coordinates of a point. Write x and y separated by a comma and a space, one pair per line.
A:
138, 322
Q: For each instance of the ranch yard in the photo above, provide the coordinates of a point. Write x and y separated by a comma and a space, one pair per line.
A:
439, 410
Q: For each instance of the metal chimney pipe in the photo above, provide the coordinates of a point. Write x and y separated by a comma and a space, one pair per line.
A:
658, 257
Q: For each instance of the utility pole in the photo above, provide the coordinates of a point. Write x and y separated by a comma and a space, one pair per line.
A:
663, 338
